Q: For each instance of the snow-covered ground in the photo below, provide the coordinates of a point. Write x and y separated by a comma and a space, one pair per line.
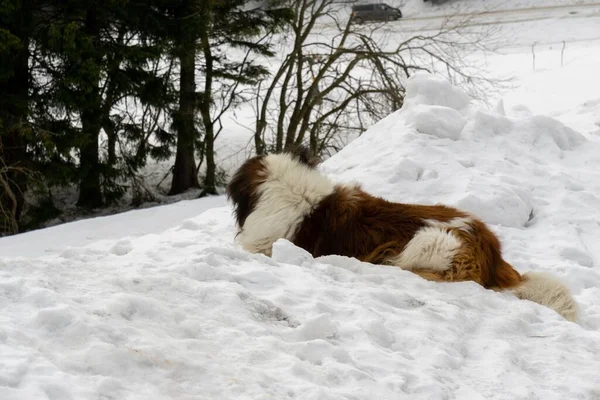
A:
568, 93
186, 314
161, 303
83, 232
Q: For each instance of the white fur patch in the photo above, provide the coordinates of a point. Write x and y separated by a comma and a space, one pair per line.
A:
548, 291
290, 192
431, 248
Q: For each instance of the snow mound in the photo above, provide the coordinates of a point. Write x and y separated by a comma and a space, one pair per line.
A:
479, 160
430, 90
536, 181
186, 314
439, 121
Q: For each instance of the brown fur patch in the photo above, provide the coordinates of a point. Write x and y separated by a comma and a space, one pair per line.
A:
352, 223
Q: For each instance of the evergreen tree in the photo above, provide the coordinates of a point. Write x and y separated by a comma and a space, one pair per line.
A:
185, 17
208, 31
87, 88
101, 52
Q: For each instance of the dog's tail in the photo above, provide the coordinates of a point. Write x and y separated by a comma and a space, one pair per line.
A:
541, 288
547, 290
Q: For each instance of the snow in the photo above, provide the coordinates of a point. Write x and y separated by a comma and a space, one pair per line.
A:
435, 107
79, 233
566, 92
163, 304
436, 92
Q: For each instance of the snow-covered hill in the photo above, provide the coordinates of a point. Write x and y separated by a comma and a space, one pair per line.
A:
186, 314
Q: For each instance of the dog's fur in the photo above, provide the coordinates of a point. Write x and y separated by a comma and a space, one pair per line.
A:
285, 196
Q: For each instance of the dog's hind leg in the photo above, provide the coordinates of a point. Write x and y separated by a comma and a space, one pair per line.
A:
452, 264
466, 267
463, 268
384, 252
463, 265
430, 275
388, 252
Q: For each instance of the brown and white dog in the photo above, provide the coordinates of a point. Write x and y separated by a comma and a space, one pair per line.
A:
285, 196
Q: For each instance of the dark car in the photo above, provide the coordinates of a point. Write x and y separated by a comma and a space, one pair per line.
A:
375, 12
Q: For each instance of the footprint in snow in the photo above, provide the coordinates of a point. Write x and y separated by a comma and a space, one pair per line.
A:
579, 256
265, 311
318, 350
191, 225
122, 247
320, 327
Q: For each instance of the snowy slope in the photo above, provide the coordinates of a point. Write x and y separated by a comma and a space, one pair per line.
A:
128, 224
568, 93
186, 314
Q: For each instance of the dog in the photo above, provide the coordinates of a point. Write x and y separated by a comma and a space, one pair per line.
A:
285, 196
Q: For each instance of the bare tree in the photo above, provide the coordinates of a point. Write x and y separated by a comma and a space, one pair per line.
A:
11, 194
337, 77
9, 216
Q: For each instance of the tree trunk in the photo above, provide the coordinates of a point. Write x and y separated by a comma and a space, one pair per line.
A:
210, 179
110, 94
314, 140
112, 144
184, 171
259, 143
210, 182
90, 192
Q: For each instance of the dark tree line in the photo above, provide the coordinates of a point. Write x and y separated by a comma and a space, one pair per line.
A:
91, 90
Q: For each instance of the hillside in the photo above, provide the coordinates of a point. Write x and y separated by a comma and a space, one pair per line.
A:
184, 313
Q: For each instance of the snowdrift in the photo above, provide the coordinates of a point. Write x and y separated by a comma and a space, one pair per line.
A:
186, 314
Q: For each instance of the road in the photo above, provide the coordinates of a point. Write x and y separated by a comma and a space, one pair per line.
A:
517, 27
579, 23
502, 17
542, 12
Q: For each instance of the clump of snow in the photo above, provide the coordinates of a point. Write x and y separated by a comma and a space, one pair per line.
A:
443, 122
593, 109
425, 89
185, 313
